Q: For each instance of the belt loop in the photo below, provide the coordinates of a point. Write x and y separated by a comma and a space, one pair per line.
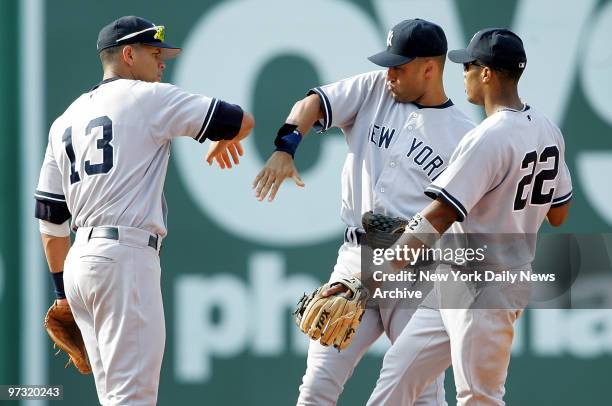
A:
89, 233
154, 241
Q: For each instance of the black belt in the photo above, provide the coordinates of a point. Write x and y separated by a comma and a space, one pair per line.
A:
354, 235
112, 233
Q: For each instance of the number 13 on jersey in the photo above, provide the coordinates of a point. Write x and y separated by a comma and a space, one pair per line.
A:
103, 144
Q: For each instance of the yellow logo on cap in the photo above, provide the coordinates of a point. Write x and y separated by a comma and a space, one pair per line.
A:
160, 33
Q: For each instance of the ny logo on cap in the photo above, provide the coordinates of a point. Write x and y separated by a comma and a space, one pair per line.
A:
389, 38
522, 65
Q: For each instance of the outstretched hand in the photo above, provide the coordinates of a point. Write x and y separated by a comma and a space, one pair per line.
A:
279, 167
220, 151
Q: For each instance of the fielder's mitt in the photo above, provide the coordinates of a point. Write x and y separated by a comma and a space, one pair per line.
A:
332, 320
66, 335
382, 231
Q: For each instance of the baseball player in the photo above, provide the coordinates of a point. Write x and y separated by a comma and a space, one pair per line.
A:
105, 167
401, 129
505, 178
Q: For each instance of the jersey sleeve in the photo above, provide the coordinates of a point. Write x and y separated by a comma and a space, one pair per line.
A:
474, 169
50, 199
563, 190
342, 100
175, 112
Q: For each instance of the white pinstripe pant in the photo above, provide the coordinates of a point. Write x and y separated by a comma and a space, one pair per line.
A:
328, 370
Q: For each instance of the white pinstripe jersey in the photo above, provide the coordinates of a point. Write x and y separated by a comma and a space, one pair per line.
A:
395, 149
108, 153
505, 175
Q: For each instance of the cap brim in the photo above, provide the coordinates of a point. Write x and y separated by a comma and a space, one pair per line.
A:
460, 56
168, 51
389, 60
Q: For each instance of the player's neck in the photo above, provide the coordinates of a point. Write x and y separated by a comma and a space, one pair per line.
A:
432, 98
112, 72
508, 99
109, 75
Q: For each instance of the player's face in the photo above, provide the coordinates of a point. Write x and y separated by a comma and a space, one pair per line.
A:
406, 82
148, 64
473, 83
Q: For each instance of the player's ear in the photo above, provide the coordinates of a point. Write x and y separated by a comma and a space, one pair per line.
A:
127, 54
485, 74
429, 68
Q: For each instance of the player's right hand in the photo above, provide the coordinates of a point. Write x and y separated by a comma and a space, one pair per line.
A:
339, 288
218, 151
279, 167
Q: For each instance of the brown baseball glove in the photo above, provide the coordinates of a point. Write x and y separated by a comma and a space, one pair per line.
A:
332, 320
66, 335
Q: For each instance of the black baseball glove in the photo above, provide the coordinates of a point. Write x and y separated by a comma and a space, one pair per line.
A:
382, 231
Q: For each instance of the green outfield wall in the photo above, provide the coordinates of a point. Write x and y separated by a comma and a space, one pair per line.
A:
233, 268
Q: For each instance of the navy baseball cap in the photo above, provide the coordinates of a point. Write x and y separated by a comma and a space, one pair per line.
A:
411, 39
494, 47
135, 30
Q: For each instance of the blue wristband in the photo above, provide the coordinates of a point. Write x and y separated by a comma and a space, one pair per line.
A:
288, 139
58, 284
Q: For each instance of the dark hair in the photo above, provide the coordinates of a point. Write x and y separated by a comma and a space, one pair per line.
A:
506, 74
510, 75
108, 55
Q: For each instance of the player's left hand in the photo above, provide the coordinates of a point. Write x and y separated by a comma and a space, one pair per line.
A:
65, 334
220, 151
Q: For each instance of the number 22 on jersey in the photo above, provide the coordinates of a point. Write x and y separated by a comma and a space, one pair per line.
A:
538, 197
103, 144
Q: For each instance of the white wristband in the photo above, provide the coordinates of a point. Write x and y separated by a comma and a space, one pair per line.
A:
422, 230
55, 230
